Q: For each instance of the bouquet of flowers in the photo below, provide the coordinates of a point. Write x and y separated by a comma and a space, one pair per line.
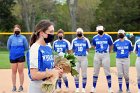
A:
67, 62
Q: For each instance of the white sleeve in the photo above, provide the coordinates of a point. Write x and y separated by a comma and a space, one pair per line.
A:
134, 47
53, 44
34, 56
89, 45
69, 47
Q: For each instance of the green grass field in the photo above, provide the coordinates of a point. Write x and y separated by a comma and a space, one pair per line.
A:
5, 64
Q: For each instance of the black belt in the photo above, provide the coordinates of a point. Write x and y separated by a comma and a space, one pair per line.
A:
101, 51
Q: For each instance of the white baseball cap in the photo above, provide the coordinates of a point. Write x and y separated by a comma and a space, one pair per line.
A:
121, 31
99, 28
79, 30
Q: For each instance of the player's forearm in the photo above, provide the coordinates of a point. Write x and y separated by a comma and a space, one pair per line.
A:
93, 47
36, 75
69, 52
110, 49
87, 50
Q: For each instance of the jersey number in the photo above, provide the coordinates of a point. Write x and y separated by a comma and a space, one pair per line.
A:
122, 51
101, 45
80, 48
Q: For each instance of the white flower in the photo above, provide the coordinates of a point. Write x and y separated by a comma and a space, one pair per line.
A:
61, 54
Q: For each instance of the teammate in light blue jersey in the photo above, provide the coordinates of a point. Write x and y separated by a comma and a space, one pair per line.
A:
80, 47
61, 45
123, 48
102, 43
40, 58
137, 51
16, 45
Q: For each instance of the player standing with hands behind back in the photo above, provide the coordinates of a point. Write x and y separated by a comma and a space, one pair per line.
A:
16, 45
80, 47
123, 48
103, 46
61, 45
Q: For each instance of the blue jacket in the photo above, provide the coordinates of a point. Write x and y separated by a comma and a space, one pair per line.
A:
16, 45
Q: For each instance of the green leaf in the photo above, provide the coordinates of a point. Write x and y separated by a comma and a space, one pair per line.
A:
74, 72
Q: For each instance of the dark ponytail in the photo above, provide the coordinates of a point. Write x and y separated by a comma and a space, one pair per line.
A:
33, 39
43, 25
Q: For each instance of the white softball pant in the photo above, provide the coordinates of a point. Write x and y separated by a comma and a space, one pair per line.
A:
102, 59
123, 67
138, 67
35, 87
83, 64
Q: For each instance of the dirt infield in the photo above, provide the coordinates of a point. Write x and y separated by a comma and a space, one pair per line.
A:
5, 81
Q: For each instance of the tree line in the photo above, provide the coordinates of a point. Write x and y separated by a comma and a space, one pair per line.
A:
113, 14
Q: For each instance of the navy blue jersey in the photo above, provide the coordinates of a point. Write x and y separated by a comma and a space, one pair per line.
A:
16, 45
61, 45
102, 43
40, 57
80, 46
122, 48
137, 47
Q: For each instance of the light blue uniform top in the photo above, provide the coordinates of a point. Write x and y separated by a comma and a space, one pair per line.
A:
17, 44
103, 43
39, 57
80, 46
122, 48
137, 47
61, 45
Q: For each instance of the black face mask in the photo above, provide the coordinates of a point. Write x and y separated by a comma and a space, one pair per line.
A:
17, 32
121, 36
100, 32
60, 37
79, 35
49, 39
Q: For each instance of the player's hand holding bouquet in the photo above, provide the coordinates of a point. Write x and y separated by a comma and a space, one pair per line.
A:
64, 63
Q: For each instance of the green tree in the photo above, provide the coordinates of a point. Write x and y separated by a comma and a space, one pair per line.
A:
7, 20
116, 14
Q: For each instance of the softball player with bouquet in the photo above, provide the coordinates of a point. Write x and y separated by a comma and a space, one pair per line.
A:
80, 47
137, 51
40, 58
61, 46
123, 48
102, 43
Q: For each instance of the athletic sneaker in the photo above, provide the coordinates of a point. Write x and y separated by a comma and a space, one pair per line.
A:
14, 89
77, 90
110, 90
93, 90
20, 89
83, 90
128, 91
120, 91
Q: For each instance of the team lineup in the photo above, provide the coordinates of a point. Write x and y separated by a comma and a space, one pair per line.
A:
41, 62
